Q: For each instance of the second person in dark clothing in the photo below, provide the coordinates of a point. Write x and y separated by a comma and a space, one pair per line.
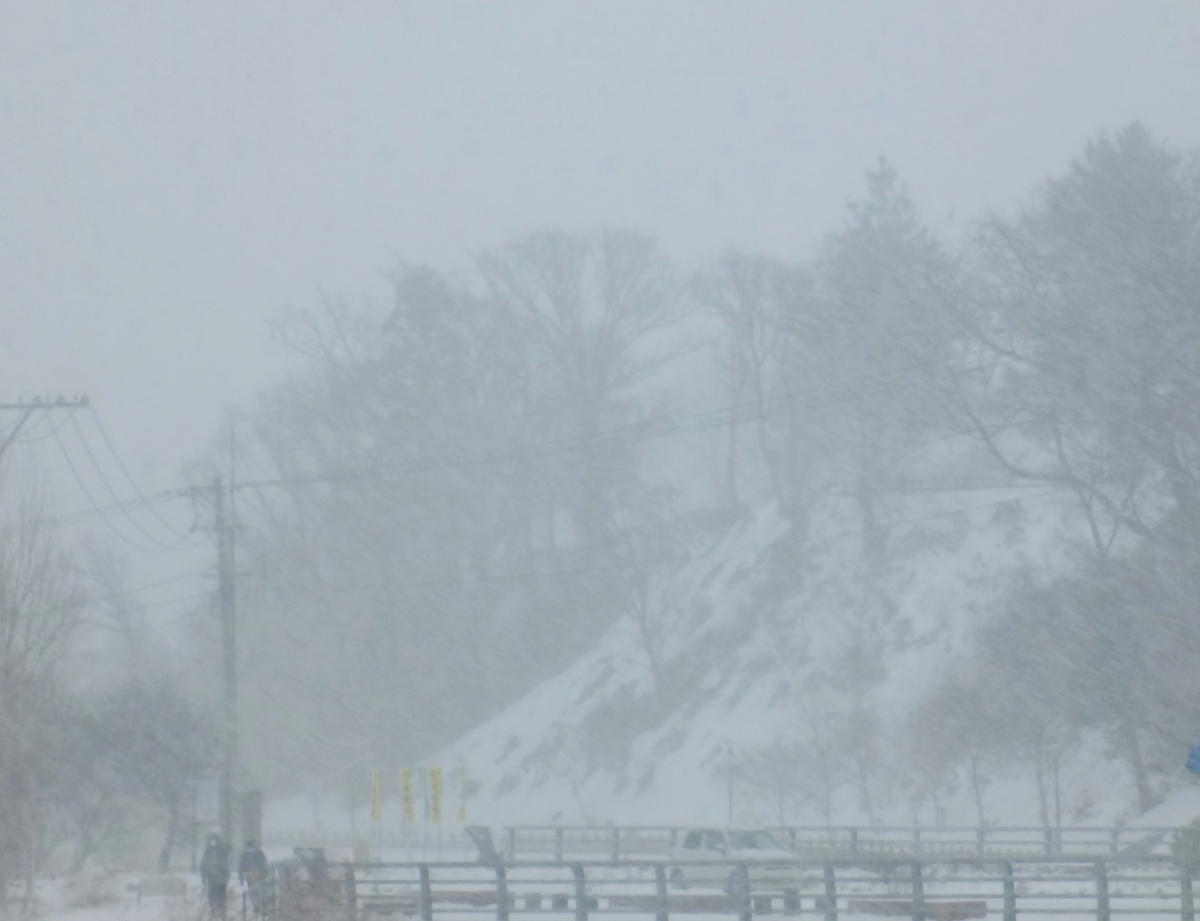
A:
214, 873
252, 873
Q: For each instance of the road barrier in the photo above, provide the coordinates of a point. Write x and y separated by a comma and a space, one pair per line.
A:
550, 842
832, 889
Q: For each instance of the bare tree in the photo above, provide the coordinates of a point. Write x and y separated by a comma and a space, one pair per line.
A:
773, 773
821, 755
876, 334
591, 303
160, 743
40, 600
651, 551
957, 725
1082, 312
754, 297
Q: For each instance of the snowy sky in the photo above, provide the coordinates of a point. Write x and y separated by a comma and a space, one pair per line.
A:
173, 173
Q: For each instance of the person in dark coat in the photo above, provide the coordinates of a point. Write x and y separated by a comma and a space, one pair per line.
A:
252, 873
214, 873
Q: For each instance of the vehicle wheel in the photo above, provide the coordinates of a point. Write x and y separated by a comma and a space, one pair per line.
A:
791, 901
678, 880
738, 885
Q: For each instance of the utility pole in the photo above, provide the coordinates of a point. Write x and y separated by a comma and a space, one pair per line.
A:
27, 409
225, 593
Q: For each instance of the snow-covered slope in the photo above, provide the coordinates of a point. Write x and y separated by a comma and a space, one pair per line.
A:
765, 638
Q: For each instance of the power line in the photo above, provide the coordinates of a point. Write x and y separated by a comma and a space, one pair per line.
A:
108, 486
701, 421
27, 409
146, 607
141, 588
31, 439
129, 479
39, 403
713, 554
124, 593
87, 493
83, 514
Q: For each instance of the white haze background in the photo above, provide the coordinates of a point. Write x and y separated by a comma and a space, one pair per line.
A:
174, 176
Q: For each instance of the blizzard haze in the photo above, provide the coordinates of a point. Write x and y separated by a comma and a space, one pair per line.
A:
629, 401
173, 175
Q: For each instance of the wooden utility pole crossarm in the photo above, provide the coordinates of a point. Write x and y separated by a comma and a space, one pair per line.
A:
27, 409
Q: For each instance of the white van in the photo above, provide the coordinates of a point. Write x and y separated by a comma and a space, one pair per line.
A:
768, 863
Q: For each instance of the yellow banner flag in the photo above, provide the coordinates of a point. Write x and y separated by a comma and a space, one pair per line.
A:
435, 794
406, 795
462, 789
376, 794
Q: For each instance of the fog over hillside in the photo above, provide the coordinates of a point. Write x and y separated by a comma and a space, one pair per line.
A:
645, 414
942, 540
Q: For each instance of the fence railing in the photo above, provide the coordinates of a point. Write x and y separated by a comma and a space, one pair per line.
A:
924, 890
544, 842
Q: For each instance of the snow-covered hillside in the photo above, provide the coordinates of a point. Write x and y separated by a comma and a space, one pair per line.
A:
758, 638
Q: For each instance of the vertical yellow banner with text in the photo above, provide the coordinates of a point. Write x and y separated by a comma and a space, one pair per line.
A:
435, 794
406, 795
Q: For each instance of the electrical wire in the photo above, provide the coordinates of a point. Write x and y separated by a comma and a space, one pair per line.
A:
124, 593
84, 514
124, 470
713, 554
29, 438
147, 607
112, 492
87, 493
703, 420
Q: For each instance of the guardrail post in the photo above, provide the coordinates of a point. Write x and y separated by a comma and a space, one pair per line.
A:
426, 893
741, 894
501, 894
581, 912
616, 844
830, 892
1010, 894
979, 836
917, 840
792, 839
512, 845
1102, 907
854, 841
558, 844
1187, 908
1048, 834
1116, 840
918, 892
351, 892
660, 882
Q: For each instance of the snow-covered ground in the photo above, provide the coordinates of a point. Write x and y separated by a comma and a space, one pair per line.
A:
751, 638
114, 897
766, 621
1062, 891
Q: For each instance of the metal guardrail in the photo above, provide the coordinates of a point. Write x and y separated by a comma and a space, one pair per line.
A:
924, 890
536, 842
